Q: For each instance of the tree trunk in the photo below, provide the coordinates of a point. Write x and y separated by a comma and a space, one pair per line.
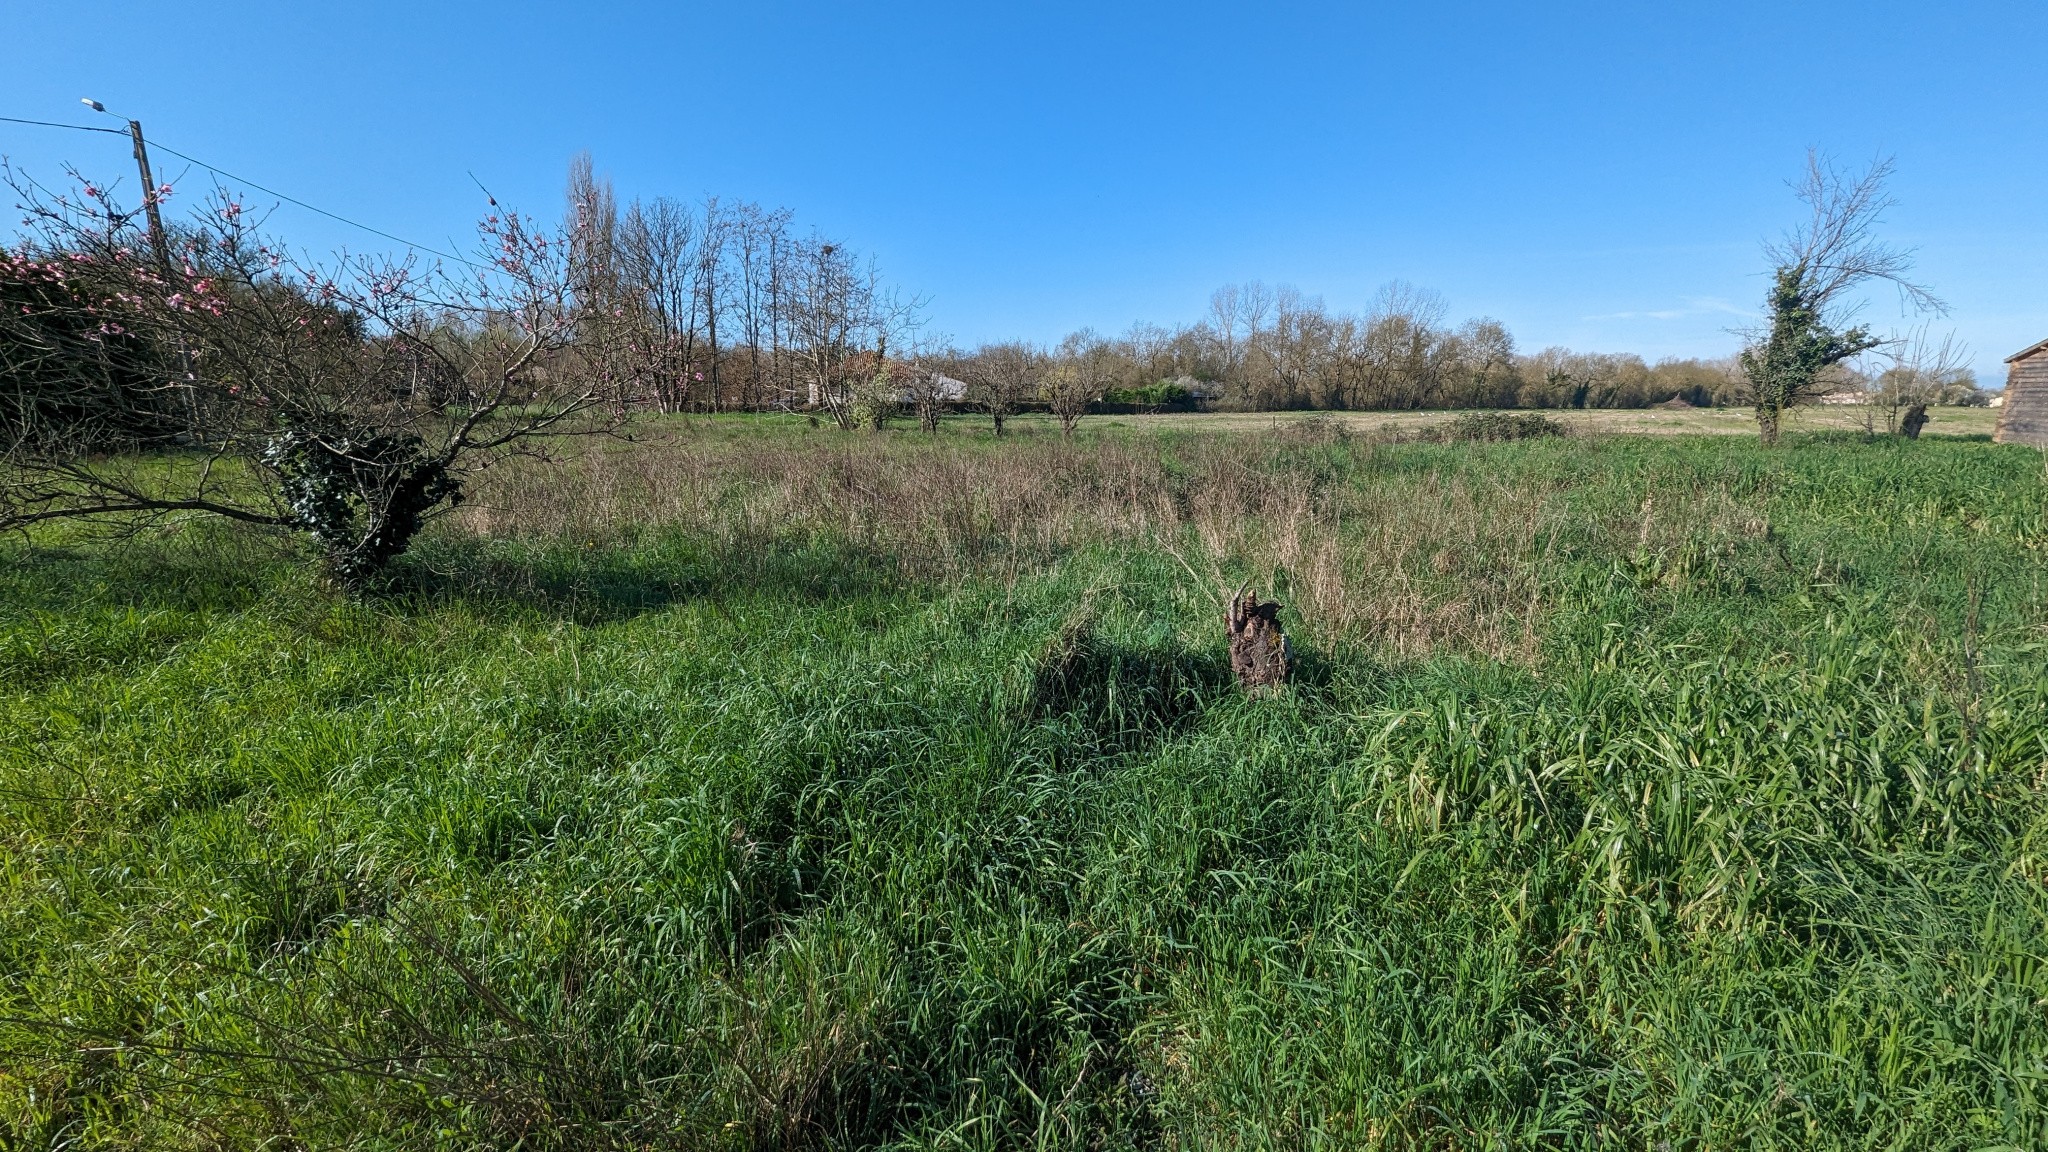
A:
1767, 422
1260, 654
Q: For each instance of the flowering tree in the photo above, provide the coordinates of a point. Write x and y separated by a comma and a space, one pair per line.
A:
350, 402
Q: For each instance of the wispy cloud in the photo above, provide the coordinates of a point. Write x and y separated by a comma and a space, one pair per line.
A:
1693, 306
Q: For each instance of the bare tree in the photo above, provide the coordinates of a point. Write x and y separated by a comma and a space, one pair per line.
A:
758, 235
611, 308
927, 379
1484, 360
1919, 371
712, 273
1398, 351
660, 266
1076, 377
1002, 377
1817, 269
841, 320
350, 403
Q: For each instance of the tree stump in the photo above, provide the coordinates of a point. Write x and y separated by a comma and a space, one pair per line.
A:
1916, 419
1259, 651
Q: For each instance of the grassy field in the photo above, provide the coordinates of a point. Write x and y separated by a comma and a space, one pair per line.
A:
759, 786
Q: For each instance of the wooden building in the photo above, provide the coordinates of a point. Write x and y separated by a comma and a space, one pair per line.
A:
2023, 418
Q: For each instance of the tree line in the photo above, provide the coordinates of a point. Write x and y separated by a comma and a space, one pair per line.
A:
352, 400
1262, 348
724, 308
716, 305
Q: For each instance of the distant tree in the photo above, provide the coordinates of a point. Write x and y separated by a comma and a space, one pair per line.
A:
1483, 371
925, 381
1076, 377
1816, 269
841, 319
1701, 383
878, 390
658, 271
831, 310
1002, 377
759, 236
1917, 372
351, 403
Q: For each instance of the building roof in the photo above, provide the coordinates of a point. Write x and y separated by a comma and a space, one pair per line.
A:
2029, 350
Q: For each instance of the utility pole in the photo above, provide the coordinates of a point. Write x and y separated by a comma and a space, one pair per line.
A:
156, 220
157, 241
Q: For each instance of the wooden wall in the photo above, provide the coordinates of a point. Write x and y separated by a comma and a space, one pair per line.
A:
2024, 418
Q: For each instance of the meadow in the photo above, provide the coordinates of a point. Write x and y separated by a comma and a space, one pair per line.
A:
1656, 420
756, 785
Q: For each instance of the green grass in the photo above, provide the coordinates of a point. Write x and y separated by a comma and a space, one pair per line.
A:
652, 839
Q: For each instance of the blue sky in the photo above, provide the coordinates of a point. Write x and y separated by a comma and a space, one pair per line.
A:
1596, 175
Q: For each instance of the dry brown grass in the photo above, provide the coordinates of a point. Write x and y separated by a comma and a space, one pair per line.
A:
1414, 561
1595, 421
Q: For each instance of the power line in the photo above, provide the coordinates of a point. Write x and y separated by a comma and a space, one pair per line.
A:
311, 208
260, 188
54, 124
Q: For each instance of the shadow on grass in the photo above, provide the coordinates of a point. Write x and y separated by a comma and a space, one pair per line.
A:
236, 570
1117, 695
592, 585
186, 572
1858, 436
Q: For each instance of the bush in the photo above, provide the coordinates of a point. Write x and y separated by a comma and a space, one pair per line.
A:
1164, 394
1317, 430
1499, 426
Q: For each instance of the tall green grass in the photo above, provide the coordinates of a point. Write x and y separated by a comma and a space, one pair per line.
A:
678, 838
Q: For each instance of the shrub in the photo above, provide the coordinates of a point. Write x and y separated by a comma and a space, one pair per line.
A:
1164, 394
1499, 426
